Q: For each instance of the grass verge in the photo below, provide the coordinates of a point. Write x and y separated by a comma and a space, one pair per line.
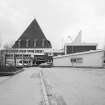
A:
10, 70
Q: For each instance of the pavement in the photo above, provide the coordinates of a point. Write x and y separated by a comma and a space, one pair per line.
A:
65, 86
21, 89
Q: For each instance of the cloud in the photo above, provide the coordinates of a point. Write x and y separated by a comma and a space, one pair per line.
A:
57, 18
12, 21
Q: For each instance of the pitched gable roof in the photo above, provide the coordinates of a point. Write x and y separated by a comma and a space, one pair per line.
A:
32, 33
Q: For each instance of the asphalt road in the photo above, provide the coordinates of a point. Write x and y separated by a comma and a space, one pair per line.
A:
65, 86
77, 86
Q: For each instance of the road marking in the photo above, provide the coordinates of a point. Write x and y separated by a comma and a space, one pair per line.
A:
44, 90
50, 97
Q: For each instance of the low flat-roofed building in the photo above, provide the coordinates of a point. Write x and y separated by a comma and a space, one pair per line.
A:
95, 58
70, 48
58, 52
78, 46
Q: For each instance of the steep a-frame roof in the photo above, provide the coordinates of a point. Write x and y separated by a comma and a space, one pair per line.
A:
32, 33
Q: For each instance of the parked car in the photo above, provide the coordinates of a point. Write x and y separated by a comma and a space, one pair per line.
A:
19, 65
46, 65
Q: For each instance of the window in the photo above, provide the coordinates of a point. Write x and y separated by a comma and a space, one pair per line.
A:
79, 60
73, 60
32, 51
38, 51
76, 60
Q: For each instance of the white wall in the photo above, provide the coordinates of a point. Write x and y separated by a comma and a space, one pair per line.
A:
62, 61
94, 59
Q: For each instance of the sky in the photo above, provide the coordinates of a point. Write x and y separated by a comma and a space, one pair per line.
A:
57, 18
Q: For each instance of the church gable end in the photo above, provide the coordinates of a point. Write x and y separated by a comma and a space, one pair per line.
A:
32, 37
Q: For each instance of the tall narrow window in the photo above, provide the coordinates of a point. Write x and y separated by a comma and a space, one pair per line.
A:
27, 43
35, 42
43, 41
19, 43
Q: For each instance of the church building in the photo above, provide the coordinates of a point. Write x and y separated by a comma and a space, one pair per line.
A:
31, 48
